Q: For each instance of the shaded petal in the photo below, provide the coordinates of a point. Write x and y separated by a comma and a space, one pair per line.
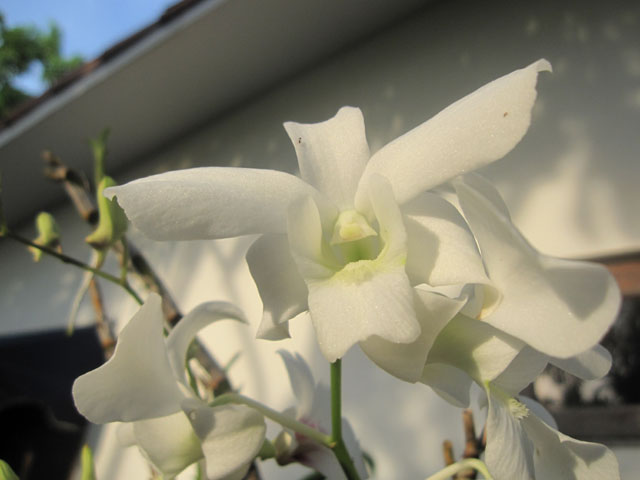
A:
332, 154
185, 331
475, 347
559, 457
367, 297
406, 361
476, 130
282, 289
323, 460
523, 370
301, 380
210, 202
441, 248
231, 437
451, 383
546, 301
509, 452
137, 382
589, 365
169, 443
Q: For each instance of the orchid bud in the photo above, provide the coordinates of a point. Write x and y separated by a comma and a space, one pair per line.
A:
112, 222
48, 234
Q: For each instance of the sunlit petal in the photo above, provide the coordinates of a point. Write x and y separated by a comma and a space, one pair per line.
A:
210, 202
137, 382
474, 131
441, 248
545, 300
332, 154
559, 457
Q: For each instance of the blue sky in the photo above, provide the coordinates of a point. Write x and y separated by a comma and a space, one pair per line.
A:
88, 26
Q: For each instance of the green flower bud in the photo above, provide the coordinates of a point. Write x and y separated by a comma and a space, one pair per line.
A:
48, 234
112, 223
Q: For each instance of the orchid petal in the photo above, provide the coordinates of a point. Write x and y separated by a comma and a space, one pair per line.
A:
210, 202
323, 460
301, 381
441, 248
451, 383
509, 451
545, 300
137, 382
168, 442
282, 289
231, 437
522, 370
475, 347
365, 298
185, 331
476, 130
406, 361
589, 365
559, 457
332, 154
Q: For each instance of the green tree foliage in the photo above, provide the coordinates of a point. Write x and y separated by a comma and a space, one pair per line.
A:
19, 48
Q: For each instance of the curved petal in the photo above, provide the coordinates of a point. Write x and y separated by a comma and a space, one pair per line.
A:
559, 457
440, 247
476, 130
522, 370
475, 347
332, 154
137, 382
185, 331
545, 300
210, 202
301, 381
169, 443
406, 361
231, 437
282, 289
365, 298
451, 383
589, 365
509, 452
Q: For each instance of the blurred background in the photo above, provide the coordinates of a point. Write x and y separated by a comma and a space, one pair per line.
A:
210, 82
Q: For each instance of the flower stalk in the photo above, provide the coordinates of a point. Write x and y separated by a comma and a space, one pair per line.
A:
277, 417
457, 467
339, 448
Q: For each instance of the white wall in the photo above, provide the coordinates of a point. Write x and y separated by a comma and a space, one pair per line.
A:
571, 184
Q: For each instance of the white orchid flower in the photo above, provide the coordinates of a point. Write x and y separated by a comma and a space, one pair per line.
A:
523, 443
145, 384
559, 307
349, 239
313, 409
522, 439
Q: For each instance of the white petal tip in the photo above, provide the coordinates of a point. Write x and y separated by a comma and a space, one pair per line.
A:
543, 65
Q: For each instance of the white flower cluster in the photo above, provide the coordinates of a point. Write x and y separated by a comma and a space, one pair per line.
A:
404, 252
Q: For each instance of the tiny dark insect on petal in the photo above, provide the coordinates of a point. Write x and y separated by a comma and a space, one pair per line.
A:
505, 114
299, 139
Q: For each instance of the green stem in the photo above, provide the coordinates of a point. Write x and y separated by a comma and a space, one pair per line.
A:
77, 263
457, 467
278, 417
340, 449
